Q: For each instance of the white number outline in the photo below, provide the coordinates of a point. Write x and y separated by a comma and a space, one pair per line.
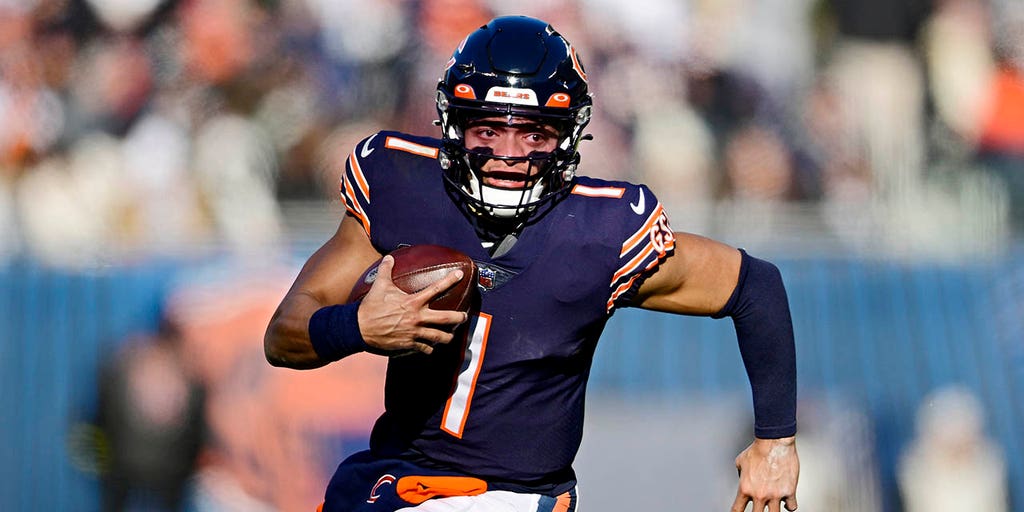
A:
457, 409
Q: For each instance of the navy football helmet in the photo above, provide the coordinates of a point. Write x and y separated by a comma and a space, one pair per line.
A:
513, 67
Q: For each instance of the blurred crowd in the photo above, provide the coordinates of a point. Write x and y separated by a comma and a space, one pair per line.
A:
140, 129
190, 417
137, 129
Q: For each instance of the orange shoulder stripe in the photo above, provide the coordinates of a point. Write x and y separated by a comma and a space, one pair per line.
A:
644, 230
620, 290
352, 203
410, 147
629, 284
634, 263
612, 192
670, 245
357, 172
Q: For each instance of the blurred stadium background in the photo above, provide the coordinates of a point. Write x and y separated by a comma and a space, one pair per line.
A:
166, 166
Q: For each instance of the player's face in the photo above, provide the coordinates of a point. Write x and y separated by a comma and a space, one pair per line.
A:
519, 138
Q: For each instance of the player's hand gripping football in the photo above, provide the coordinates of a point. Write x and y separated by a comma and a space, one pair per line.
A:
391, 320
768, 470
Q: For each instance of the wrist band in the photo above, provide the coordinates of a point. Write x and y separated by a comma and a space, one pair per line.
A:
334, 331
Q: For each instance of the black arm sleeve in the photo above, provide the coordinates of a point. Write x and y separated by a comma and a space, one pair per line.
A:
759, 308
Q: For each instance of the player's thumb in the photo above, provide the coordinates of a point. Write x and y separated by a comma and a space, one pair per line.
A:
383, 277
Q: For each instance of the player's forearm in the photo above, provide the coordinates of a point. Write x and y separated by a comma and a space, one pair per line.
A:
286, 342
764, 328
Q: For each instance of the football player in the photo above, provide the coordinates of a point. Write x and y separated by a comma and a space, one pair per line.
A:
488, 415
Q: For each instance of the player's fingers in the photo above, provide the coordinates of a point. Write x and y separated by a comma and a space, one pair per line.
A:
422, 347
740, 502
435, 317
434, 336
759, 505
774, 505
437, 287
790, 503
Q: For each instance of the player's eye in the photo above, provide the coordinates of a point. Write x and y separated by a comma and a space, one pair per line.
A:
538, 138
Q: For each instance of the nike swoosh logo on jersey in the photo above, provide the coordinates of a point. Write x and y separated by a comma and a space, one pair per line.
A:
638, 208
365, 152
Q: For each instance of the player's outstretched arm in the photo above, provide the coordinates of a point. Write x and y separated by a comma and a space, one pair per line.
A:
705, 277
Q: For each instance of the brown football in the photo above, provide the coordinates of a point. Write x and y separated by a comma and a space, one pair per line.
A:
418, 266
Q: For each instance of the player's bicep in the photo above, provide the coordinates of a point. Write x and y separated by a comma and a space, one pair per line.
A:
329, 274
697, 279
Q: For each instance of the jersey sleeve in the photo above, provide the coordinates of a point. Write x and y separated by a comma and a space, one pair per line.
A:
354, 187
381, 173
648, 239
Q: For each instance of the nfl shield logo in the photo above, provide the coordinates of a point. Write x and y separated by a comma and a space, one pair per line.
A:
486, 278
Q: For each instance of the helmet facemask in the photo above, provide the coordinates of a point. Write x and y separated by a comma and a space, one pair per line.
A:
549, 172
512, 201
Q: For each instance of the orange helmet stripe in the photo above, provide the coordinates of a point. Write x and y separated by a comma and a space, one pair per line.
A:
576, 63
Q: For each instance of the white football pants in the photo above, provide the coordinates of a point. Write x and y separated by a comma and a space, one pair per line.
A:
490, 501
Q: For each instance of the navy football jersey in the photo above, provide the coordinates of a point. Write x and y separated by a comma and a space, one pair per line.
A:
504, 401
